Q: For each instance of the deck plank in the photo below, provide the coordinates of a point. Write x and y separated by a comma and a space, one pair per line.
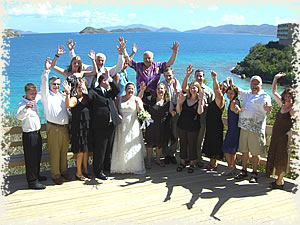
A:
162, 195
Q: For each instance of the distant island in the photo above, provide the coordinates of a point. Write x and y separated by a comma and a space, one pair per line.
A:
263, 29
8, 33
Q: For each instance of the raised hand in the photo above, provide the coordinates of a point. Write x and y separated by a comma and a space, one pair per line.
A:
60, 50
279, 75
213, 74
229, 81
106, 74
175, 84
83, 87
175, 46
189, 70
122, 45
134, 48
47, 63
71, 44
143, 86
67, 87
268, 108
180, 99
92, 55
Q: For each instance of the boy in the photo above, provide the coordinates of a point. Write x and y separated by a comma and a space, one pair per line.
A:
28, 113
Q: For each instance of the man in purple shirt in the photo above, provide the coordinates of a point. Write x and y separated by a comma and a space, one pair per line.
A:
149, 71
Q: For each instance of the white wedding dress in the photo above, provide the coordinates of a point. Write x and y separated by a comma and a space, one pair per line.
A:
128, 148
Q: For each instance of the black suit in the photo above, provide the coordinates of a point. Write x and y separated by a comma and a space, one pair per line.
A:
104, 118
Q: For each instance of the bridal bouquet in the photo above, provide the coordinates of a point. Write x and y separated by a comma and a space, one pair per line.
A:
145, 117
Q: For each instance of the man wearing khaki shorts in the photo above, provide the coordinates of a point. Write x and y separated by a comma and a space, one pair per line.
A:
255, 104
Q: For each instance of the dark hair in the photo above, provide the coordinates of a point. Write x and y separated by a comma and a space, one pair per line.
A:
80, 64
169, 69
234, 89
129, 83
199, 70
29, 87
290, 91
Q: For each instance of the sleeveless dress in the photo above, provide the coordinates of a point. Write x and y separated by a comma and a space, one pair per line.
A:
231, 142
128, 149
157, 133
80, 128
212, 146
278, 152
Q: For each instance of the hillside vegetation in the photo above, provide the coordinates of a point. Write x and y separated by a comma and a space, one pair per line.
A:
266, 61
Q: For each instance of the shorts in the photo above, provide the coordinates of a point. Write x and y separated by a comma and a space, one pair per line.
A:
252, 142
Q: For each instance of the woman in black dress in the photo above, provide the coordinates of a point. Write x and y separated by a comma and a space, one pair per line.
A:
79, 127
159, 106
188, 125
212, 146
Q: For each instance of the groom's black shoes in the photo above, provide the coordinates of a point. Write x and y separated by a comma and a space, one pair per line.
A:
101, 176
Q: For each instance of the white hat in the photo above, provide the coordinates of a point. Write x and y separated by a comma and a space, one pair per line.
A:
256, 78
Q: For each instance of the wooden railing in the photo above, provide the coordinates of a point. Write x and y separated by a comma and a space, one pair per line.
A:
18, 159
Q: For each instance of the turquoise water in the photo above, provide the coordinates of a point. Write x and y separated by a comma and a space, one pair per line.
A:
218, 52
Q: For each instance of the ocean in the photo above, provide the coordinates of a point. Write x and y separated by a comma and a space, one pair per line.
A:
218, 52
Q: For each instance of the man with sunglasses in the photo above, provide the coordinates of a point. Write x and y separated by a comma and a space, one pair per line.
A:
57, 125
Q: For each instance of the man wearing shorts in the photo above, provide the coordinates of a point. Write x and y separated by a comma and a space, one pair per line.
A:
255, 104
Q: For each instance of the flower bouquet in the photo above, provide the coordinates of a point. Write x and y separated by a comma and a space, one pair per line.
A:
145, 118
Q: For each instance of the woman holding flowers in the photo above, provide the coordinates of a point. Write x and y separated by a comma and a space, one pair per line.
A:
128, 148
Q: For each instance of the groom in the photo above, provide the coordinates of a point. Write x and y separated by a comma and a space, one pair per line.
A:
104, 118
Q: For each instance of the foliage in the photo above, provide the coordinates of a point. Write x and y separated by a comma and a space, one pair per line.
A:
268, 60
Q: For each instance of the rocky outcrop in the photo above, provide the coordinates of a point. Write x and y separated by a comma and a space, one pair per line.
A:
8, 33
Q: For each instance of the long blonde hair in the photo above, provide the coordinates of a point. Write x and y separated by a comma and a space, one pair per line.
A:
194, 83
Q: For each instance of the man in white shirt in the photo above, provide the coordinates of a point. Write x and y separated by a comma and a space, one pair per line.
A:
208, 98
100, 61
174, 88
256, 103
28, 113
57, 125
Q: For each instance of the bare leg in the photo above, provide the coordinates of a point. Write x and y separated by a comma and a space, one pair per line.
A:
149, 155
213, 162
245, 158
280, 180
85, 161
255, 161
233, 157
228, 158
158, 153
79, 158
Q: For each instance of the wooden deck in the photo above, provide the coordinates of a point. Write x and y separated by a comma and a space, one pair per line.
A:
162, 195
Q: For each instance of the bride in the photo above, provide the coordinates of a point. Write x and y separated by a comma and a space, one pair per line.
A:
128, 148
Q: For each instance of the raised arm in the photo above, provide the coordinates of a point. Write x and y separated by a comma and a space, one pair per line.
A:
142, 89
60, 51
275, 94
70, 102
44, 81
121, 48
139, 104
134, 50
229, 80
220, 100
189, 71
94, 71
174, 54
201, 102
180, 100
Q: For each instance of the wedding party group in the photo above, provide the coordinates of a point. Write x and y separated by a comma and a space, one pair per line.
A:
123, 123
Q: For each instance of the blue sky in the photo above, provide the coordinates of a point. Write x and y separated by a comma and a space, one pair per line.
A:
73, 16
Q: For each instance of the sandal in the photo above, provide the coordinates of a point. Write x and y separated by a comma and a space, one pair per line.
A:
253, 178
148, 165
191, 169
87, 175
180, 167
81, 178
273, 185
160, 163
241, 175
209, 167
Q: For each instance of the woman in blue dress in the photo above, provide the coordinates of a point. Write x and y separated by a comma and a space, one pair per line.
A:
231, 142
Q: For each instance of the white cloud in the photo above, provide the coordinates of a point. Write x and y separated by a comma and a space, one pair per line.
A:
132, 15
38, 10
213, 8
284, 20
233, 19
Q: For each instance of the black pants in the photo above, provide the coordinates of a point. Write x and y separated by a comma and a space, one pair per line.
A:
32, 145
102, 140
